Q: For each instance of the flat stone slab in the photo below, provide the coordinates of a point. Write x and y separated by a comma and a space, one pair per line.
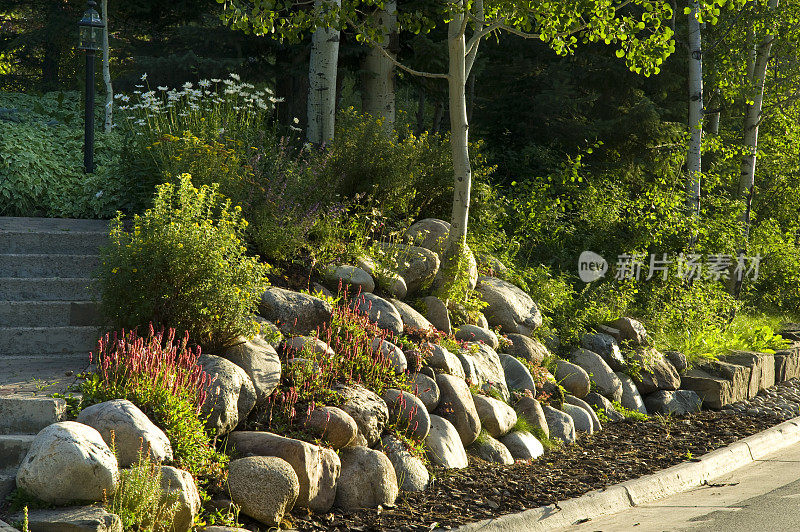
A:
29, 415
73, 519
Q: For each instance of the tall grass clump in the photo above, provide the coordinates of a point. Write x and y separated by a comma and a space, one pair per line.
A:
140, 501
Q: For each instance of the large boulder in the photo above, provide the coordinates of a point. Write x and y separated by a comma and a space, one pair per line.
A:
473, 333
133, 433
408, 413
522, 445
426, 389
443, 446
761, 365
261, 363
580, 418
349, 277
580, 403
306, 346
442, 360
607, 383
457, 406
434, 234
490, 450
410, 317
497, 418
180, 484
68, 462
390, 353
559, 424
380, 312
630, 331
489, 374
417, 265
368, 479
437, 314
573, 378
677, 402
293, 312
517, 375
409, 469
531, 411
332, 425
265, 487
317, 468
607, 347
631, 398
527, 348
787, 364
231, 395
508, 306
655, 372
718, 383
367, 409
605, 406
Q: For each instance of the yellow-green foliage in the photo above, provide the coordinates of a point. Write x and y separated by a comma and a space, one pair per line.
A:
183, 265
140, 501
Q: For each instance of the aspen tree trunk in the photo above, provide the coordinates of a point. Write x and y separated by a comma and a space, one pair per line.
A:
109, 107
752, 118
693, 157
379, 95
459, 134
322, 67
714, 116
756, 74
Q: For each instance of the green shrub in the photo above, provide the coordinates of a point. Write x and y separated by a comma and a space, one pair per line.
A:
41, 161
183, 265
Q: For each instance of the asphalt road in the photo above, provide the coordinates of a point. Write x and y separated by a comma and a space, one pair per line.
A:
762, 496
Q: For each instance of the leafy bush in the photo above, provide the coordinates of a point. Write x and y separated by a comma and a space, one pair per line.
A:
162, 378
183, 265
41, 161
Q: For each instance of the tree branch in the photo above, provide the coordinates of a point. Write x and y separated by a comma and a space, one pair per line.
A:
473, 48
389, 56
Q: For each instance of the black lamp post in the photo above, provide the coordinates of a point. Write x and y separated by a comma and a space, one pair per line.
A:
91, 35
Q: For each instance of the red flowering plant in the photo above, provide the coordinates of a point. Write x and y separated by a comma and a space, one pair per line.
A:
162, 377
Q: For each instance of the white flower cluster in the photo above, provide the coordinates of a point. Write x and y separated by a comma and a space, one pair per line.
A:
213, 94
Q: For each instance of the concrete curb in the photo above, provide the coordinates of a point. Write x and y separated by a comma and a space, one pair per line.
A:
5, 527
646, 489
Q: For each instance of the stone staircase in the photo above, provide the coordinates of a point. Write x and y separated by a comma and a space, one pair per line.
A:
48, 321
20, 419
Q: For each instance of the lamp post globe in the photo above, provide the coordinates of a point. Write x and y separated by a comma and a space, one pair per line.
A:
91, 34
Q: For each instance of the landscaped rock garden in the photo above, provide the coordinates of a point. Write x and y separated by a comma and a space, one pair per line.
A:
364, 412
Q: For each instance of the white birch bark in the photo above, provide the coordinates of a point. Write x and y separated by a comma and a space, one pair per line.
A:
693, 157
323, 64
378, 98
753, 117
459, 133
109, 107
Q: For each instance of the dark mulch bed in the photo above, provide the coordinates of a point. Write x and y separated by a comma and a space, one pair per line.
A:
620, 452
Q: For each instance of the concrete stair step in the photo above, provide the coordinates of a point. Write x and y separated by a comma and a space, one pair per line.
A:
49, 313
34, 375
29, 415
59, 242
26, 340
11, 223
13, 448
41, 265
45, 289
